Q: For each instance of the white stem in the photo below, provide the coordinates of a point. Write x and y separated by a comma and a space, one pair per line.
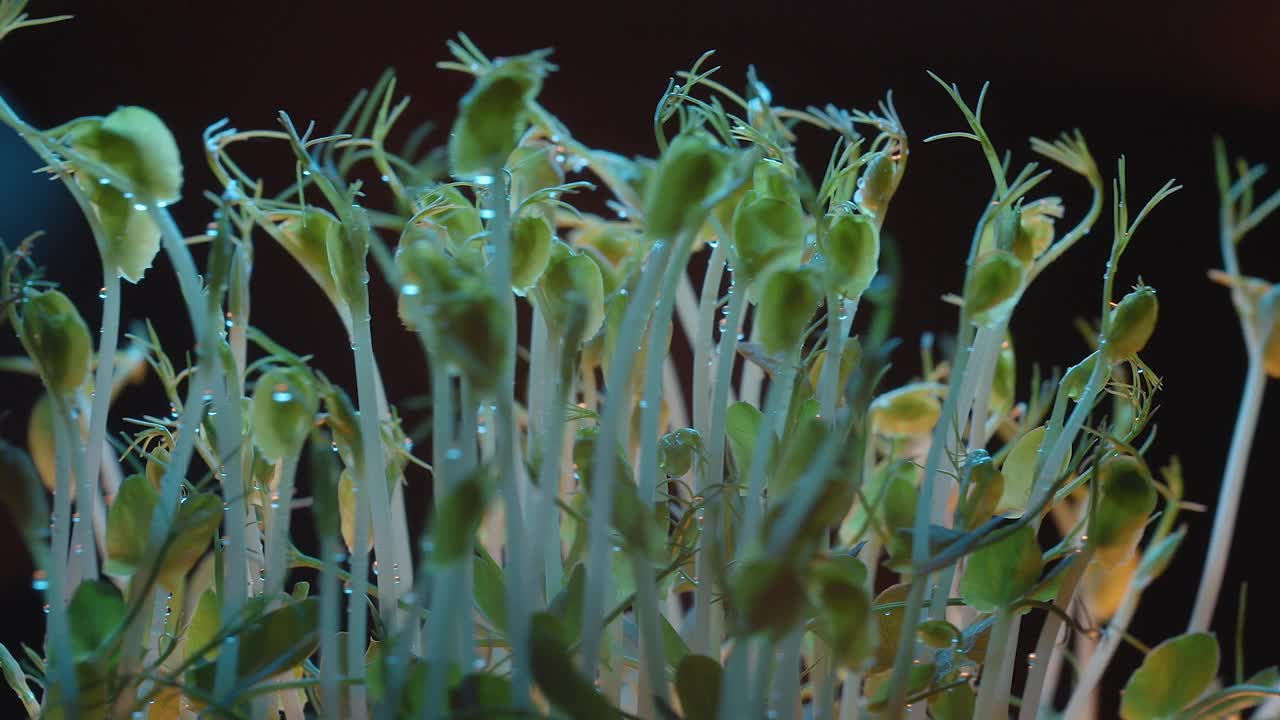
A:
993, 691
617, 409
1224, 520
1081, 703
278, 517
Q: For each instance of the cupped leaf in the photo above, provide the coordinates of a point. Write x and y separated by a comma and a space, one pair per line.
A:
785, 306
284, 408
274, 643
57, 339
995, 281
571, 294
137, 144
492, 116
698, 680
531, 237
688, 175
851, 247
1131, 323
1019, 470
1126, 501
766, 233
909, 410
1171, 677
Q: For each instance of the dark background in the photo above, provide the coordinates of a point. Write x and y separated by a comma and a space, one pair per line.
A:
1153, 81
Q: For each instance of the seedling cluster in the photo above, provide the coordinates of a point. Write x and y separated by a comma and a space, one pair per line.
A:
785, 536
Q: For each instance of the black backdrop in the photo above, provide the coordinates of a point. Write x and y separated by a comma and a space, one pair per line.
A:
1154, 82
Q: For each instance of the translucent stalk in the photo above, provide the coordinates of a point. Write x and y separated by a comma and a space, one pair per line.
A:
617, 409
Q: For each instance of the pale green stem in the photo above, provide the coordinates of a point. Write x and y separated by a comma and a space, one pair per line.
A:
58, 633
373, 469
709, 618
1033, 697
498, 205
329, 619
784, 702
1224, 519
82, 565
750, 389
617, 410
102, 380
771, 426
236, 581
1080, 704
653, 677
278, 517
992, 700
546, 536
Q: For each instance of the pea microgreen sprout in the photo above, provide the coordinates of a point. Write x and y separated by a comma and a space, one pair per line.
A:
768, 510
1237, 217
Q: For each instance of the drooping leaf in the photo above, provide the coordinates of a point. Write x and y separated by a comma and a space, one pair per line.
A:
999, 574
1173, 675
698, 681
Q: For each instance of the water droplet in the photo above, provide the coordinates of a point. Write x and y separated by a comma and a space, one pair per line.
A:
333, 446
346, 588
46, 608
140, 207
410, 289
39, 580
275, 501
453, 453
102, 293
484, 180
104, 181
75, 517
488, 214
280, 393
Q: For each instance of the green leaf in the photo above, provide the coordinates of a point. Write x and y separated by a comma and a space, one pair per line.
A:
676, 451
567, 604
56, 337
742, 427
1019, 471
954, 704
995, 281
531, 238
554, 671
491, 117
571, 294
129, 524
690, 171
206, 623
482, 695
1126, 501
96, 610
1171, 677
909, 410
999, 574
674, 648
851, 247
136, 143
698, 679
458, 516
767, 594
767, 233
1132, 323
274, 643
490, 590
938, 634
283, 411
